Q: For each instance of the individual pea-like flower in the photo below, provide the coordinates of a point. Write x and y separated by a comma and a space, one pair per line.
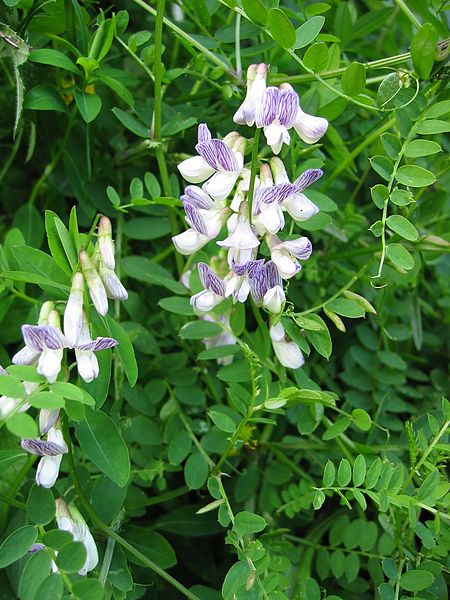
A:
292, 199
285, 254
104, 263
276, 114
256, 85
87, 363
267, 210
220, 162
242, 240
212, 295
74, 309
95, 285
308, 127
279, 111
205, 217
266, 286
28, 355
51, 452
287, 351
70, 519
44, 343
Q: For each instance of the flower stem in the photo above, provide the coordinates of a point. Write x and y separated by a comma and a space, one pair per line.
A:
254, 168
407, 11
157, 118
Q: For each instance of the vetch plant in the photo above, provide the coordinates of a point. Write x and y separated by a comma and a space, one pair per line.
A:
223, 300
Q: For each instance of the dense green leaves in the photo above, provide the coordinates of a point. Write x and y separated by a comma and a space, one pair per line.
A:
101, 441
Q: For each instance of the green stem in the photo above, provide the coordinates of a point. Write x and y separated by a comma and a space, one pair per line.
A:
254, 169
136, 58
113, 534
237, 45
7, 162
186, 37
157, 118
407, 11
14, 487
370, 66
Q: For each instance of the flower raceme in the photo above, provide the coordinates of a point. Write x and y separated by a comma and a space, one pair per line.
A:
251, 220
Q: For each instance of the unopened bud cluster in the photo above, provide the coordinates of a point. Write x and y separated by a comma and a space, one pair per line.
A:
251, 218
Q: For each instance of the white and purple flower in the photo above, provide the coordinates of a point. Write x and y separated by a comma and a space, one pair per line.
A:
205, 217
87, 363
212, 295
279, 111
51, 452
220, 162
285, 255
256, 85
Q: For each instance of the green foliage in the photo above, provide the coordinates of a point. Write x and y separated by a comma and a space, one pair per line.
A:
208, 470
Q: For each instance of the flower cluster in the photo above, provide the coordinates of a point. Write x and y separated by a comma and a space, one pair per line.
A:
251, 217
46, 342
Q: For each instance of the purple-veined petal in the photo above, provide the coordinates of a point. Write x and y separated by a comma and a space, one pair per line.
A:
225, 157
100, 343
273, 277
196, 196
42, 447
300, 248
309, 128
47, 418
36, 548
32, 337
306, 179
267, 111
288, 103
52, 337
25, 356
194, 218
210, 280
204, 135
258, 282
207, 151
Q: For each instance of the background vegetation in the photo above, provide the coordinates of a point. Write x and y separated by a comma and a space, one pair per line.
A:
325, 482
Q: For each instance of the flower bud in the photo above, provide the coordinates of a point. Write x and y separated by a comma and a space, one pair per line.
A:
105, 242
74, 309
287, 352
274, 300
46, 308
97, 290
113, 286
256, 84
205, 301
309, 128
70, 519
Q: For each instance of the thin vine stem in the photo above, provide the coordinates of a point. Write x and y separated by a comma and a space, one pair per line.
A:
157, 120
113, 534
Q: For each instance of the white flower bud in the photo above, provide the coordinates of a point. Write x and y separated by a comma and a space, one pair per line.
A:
287, 352
105, 242
274, 300
96, 288
74, 309
205, 301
